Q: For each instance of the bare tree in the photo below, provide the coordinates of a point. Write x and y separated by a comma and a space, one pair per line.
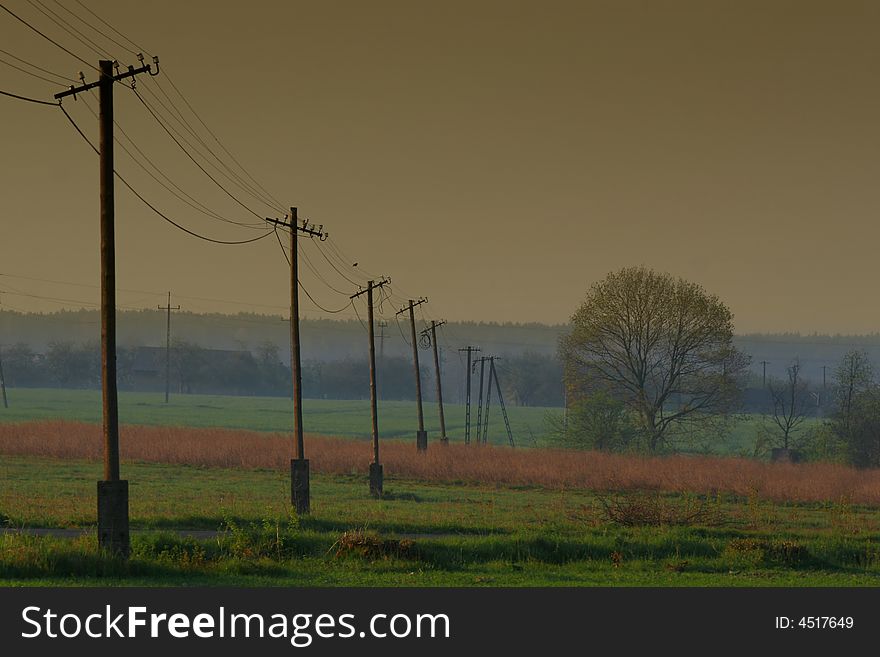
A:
791, 399
661, 345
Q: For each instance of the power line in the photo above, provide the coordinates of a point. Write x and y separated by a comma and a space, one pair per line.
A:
114, 29
39, 68
175, 113
30, 100
217, 139
49, 39
67, 27
187, 153
193, 203
303, 287
153, 207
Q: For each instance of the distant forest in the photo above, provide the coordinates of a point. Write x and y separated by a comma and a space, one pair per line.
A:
248, 353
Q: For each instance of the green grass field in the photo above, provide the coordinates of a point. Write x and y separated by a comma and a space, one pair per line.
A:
324, 417
419, 535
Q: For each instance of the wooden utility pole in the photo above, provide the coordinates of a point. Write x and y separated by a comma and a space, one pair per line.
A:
168, 309
467, 413
824, 368
764, 363
375, 465
113, 531
299, 466
444, 439
3, 383
421, 434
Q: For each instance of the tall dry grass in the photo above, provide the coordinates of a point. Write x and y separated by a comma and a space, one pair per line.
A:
814, 482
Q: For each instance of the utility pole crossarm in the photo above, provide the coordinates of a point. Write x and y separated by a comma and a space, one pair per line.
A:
411, 305
306, 228
130, 73
385, 281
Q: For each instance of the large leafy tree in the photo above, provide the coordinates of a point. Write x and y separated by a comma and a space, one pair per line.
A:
660, 345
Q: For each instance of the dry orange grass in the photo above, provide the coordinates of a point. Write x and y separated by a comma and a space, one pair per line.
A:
226, 448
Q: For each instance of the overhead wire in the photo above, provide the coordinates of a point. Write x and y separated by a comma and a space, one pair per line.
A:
230, 174
39, 68
48, 38
139, 49
28, 99
217, 139
266, 196
303, 287
153, 207
67, 27
187, 153
180, 193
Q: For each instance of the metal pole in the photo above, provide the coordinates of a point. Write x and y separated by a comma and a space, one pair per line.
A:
113, 530
485, 437
300, 465
494, 374
443, 437
421, 436
480, 402
467, 412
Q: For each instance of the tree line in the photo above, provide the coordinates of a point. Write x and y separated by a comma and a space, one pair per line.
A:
528, 379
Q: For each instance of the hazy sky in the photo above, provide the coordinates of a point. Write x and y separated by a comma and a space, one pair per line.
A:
497, 157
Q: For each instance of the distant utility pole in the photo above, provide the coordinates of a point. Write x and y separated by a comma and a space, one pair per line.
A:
494, 375
484, 438
113, 534
168, 308
764, 363
299, 466
444, 439
467, 413
824, 368
483, 360
421, 435
3, 383
382, 326
375, 466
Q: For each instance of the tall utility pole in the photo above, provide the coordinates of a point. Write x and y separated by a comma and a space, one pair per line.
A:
480, 398
467, 412
299, 466
444, 439
113, 534
3, 383
494, 375
421, 435
764, 382
824, 368
168, 309
375, 466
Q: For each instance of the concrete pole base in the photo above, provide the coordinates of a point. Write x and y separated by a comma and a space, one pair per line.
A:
299, 485
376, 479
113, 533
422, 441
